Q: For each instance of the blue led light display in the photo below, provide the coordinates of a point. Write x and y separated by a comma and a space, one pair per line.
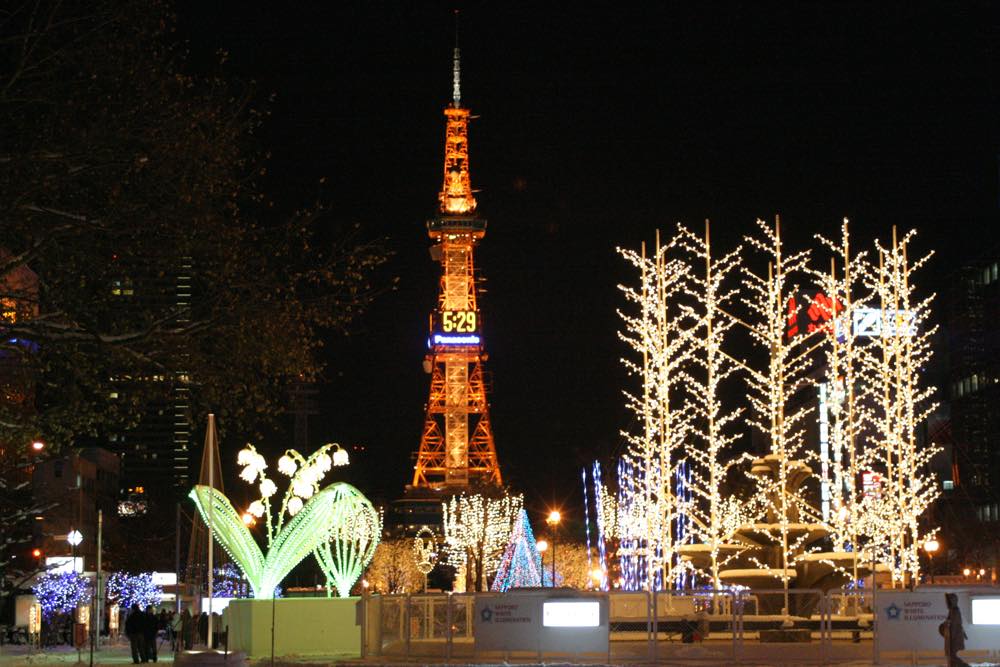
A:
447, 339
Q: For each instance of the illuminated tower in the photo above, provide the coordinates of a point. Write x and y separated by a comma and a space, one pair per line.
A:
456, 447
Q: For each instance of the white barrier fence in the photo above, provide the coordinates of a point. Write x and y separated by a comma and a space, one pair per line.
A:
687, 626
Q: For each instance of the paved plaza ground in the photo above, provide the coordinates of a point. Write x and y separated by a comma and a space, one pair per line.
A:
707, 653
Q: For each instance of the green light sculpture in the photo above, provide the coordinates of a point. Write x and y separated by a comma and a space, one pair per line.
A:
351, 545
305, 521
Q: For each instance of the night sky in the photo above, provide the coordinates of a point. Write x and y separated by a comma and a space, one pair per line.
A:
599, 124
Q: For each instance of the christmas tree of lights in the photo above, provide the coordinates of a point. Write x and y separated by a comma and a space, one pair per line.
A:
357, 528
305, 520
477, 528
713, 519
791, 521
841, 418
659, 335
521, 564
126, 589
61, 592
892, 375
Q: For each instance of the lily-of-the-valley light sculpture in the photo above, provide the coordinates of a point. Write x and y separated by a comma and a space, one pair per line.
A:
305, 520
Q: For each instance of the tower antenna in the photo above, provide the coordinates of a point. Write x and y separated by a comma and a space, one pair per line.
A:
456, 71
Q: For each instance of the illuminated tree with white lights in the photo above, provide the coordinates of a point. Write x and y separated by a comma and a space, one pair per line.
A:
714, 519
660, 336
774, 411
477, 528
897, 403
844, 389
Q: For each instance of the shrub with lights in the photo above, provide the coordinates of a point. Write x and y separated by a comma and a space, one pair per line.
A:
304, 522
61, 592
126, 589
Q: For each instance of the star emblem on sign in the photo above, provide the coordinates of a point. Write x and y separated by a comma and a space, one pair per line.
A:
892, 611
486, 615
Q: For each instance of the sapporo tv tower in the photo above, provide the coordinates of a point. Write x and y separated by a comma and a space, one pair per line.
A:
456, 446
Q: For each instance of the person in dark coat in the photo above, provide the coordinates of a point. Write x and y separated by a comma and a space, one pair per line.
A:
134, 626
203, 628
954, 633
150, 629
187, 629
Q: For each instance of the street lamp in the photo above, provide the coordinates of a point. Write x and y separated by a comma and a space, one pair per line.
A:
37, 446
553, 520
930, 546
966, 572
74, 537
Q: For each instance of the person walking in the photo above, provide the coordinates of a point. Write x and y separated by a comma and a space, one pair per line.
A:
954, 633
188, 623
134, 627
177, 631
150, 630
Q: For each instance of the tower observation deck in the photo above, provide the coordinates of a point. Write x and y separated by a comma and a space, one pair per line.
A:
456, 445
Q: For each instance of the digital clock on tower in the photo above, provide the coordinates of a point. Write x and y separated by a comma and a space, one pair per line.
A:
458, 321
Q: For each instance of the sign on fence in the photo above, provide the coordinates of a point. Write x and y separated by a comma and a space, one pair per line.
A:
910, 621
545, 622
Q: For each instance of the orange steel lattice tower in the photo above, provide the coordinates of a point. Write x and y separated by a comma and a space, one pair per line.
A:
456, 447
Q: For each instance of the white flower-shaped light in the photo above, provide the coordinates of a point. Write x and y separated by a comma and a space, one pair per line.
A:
245, 457
340, 457
294, 505
302, 488
256, 508
287, 466
249, 474
310, 475
268, 488
323, 462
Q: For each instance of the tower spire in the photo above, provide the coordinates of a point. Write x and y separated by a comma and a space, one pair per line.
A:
456, 197
456, 71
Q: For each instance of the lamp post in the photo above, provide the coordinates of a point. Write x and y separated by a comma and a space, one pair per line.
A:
553, 520
930, 546
542, 547
74, 537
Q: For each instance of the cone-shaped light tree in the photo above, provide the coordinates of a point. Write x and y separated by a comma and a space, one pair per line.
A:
521, 564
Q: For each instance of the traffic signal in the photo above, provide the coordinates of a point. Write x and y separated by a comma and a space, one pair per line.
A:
37, 553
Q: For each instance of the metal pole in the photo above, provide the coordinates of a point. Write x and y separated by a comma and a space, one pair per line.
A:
210, 443
553, 556
177, 560
99, 584
273, 603
406, 601
450, 617
875, 654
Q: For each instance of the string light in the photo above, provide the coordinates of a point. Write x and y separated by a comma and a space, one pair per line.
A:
521, 563
61, 592
126, 589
